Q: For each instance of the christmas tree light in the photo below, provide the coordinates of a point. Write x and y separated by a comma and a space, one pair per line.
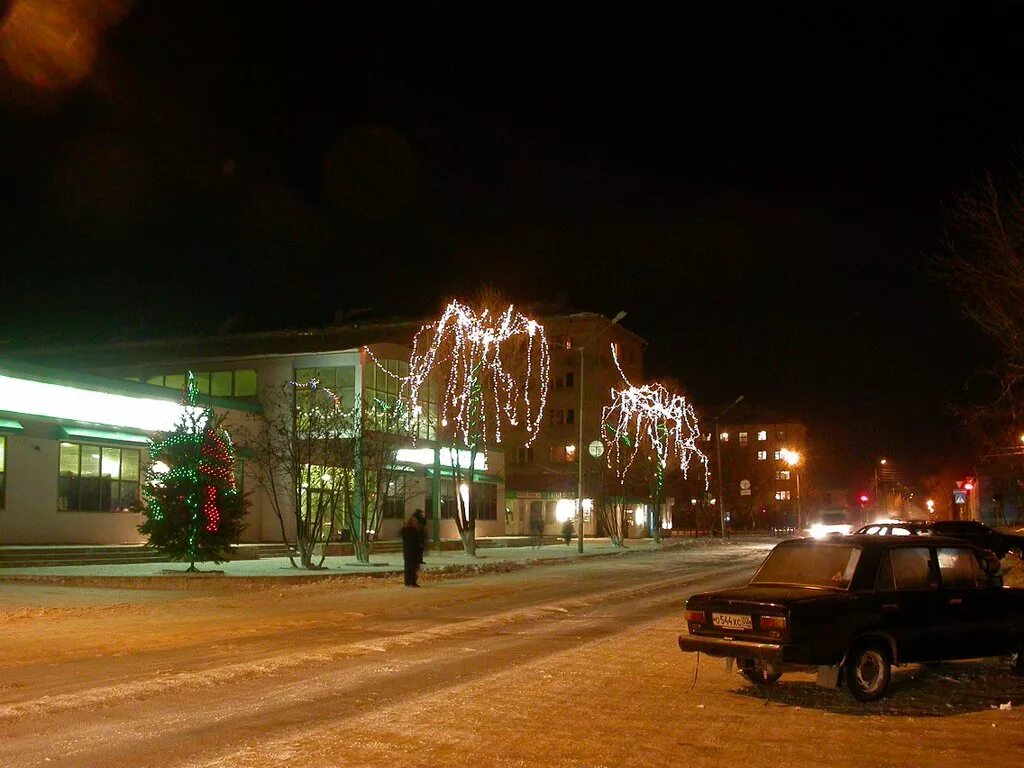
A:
193, 508
494, 369
650, 417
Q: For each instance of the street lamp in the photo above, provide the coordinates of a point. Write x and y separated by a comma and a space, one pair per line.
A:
580, 449
718, 451
792, 458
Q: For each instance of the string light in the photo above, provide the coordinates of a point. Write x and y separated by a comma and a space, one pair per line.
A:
651, 416
494, 369
194, 467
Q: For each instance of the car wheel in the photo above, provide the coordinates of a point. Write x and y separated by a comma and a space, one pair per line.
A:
761, 676
867, 672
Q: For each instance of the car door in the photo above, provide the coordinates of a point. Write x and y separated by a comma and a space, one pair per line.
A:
909, 604
972, 609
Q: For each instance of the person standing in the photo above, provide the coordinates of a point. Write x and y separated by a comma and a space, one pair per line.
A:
536, 530
412, 547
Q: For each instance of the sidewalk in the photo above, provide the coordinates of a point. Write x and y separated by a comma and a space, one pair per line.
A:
278, 569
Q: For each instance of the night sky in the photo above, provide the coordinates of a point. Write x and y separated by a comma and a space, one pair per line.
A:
761, 191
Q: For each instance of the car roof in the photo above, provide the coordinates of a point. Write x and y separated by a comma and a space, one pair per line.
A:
869, 541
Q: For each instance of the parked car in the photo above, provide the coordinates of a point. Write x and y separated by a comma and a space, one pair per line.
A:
898, 528
851, 607
982, 535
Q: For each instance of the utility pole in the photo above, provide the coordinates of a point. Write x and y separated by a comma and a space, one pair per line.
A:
718, 451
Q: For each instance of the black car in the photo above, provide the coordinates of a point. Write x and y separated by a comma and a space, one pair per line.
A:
980, 534
851, 607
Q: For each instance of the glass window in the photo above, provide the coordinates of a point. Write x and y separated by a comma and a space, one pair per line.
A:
245, 383
175, 381
743, 438
960, 569
483, 501
220, 383
885, 581
202, 381
912, 568
780, 474
724, 437
778, 455
92, 478
157, 380
782, 496
762, 435
762, 455
817, 566
394, 499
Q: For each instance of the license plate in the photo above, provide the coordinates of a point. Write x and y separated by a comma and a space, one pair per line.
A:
731, 621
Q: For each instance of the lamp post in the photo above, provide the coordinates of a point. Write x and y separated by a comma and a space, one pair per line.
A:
718, 452
579, 448
792, 458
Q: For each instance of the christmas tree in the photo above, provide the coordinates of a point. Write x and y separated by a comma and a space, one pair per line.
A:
194, 510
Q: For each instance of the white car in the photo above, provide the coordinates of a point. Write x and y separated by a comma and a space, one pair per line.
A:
830, 524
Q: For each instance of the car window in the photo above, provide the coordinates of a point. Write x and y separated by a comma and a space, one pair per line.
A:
871, 529
960, 569
912, 568
899, 531
813, 566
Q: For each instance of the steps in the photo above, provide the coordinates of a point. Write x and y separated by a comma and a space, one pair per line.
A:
50, 557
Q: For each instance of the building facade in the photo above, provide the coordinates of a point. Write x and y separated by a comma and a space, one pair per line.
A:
761, 464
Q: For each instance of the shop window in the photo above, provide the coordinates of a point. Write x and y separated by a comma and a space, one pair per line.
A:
93, 478
483, 501
394, 499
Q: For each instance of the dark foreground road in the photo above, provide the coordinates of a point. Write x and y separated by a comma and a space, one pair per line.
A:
562, 665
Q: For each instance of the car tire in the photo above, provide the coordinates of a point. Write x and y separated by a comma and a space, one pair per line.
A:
868, 671
761, 676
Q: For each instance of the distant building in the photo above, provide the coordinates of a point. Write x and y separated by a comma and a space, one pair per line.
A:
760, 488
542, 479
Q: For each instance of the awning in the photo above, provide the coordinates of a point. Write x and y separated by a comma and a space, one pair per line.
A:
103, 435
10, 425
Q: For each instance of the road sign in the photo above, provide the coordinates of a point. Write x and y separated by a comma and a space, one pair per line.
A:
959, 496
596, 449
745, 485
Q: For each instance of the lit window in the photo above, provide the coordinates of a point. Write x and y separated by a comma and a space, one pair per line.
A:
782, 474
724, 437
782, 496
780, 435
557, 417
762, 436
743, 438
92, 478
559, 454
762, 455
241, 383
778, 455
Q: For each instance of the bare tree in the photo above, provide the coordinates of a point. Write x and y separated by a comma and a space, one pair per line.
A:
490, 363
302, 457
375, 479
984, 267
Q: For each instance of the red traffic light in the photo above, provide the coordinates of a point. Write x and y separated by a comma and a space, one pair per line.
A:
968, 486
863, 498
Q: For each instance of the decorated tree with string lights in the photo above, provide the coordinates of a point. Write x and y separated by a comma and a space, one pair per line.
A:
490, 365
649, 428
194, 510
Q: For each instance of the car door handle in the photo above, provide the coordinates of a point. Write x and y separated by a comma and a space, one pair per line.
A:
890, 606
955, 600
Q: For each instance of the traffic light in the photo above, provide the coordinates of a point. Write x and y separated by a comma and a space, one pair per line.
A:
863, 498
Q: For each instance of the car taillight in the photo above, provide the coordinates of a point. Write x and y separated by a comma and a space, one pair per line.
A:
773, 623
696, 617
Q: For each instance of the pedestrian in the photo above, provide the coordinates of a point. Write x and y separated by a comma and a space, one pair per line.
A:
567, 530
422, 520
536, 531
412, 547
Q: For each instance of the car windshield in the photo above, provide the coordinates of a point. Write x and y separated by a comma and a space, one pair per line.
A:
833, 518
810, 566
